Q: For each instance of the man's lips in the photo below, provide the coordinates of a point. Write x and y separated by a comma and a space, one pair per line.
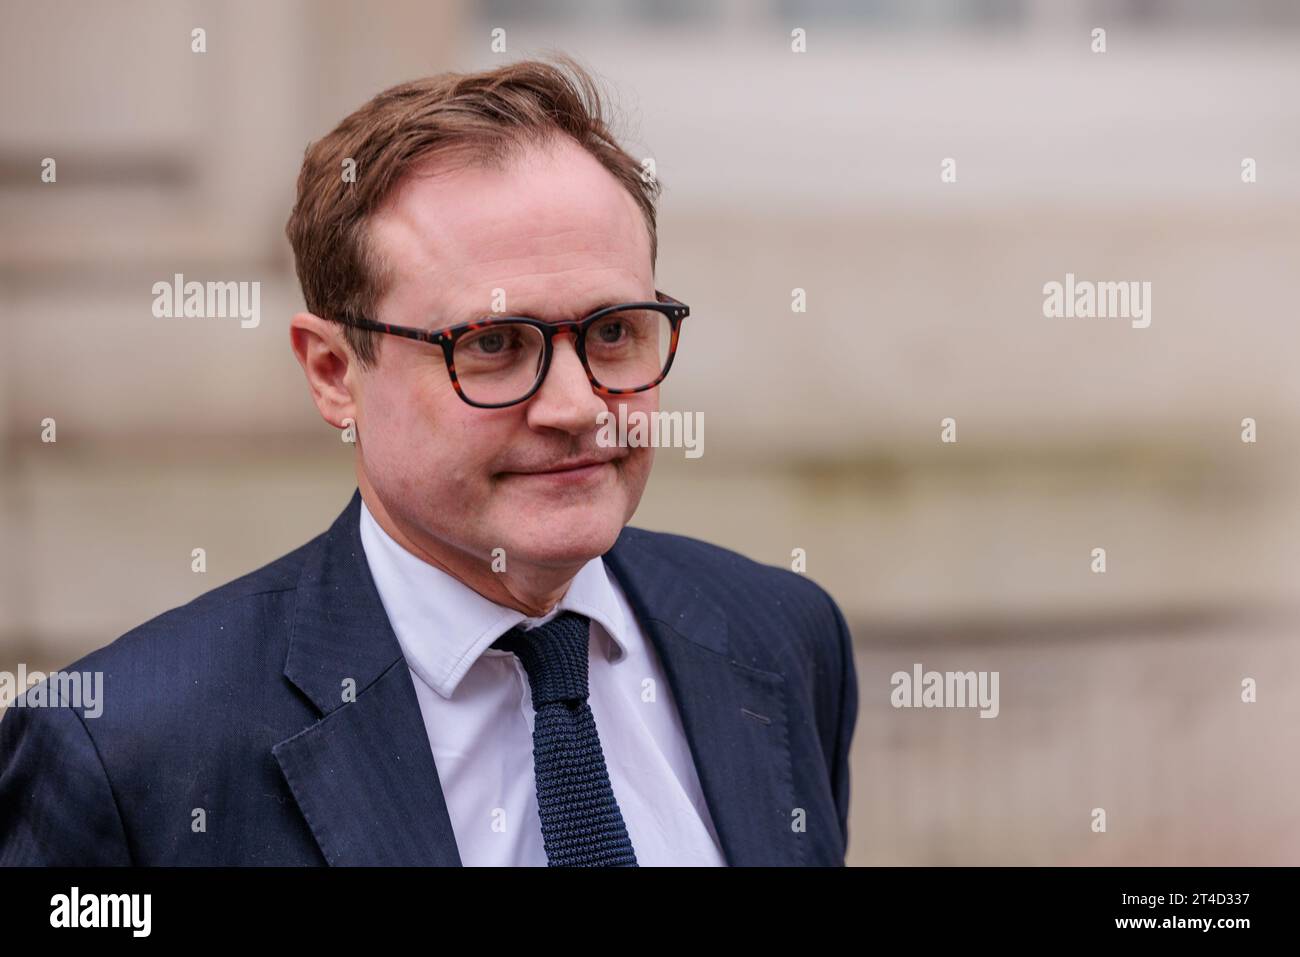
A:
574, 467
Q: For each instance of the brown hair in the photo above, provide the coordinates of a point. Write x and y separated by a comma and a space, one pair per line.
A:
482, 118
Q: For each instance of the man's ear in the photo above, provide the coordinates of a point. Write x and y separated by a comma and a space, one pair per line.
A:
329, 364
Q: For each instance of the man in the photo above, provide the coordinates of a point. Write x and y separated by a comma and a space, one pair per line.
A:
478, 663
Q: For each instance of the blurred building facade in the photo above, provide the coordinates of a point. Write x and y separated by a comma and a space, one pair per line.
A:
817, 171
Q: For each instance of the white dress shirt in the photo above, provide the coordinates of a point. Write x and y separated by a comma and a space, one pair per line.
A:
478, 713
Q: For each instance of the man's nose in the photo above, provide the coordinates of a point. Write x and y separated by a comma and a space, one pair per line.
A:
566, 400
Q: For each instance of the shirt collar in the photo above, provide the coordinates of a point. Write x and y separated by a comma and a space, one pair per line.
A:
443, 625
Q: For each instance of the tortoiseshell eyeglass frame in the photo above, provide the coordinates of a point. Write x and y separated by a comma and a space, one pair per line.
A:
674, 309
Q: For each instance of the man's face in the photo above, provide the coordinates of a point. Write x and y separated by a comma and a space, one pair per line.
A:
559, 235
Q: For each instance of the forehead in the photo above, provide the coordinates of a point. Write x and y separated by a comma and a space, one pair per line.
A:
552, 224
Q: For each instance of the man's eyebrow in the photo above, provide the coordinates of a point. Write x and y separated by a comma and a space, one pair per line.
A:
476, 316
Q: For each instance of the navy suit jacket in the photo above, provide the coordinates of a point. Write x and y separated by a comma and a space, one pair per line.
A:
233, 704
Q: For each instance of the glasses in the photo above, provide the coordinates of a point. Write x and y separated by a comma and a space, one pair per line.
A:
502, 360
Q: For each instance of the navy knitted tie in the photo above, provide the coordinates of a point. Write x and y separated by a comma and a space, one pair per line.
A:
581, 823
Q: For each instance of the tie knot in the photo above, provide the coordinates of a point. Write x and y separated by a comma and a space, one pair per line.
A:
555, 657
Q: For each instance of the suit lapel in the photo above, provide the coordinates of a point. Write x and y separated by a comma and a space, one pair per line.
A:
363, 775
734, 716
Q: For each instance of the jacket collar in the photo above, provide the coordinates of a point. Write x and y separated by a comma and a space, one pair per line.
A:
364, 776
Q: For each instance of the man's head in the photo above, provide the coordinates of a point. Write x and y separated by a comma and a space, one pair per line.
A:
470, 190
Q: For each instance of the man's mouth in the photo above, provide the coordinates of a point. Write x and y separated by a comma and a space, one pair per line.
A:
575, 470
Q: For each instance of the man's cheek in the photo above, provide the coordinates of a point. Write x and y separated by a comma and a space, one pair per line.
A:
635, 483
638, 462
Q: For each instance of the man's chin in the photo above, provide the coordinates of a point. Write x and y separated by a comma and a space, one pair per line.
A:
561, 539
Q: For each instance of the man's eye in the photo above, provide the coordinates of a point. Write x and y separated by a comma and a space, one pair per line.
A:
491, 343
611, 332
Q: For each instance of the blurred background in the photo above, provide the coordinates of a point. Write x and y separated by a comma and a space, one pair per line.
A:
817, 171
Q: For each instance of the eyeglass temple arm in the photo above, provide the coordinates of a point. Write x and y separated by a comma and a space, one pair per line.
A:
420, 335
